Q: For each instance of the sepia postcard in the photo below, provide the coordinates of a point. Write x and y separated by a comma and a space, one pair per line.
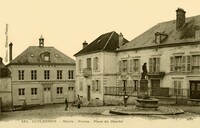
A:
111, 64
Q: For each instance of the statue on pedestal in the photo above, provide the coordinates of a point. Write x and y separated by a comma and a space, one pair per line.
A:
144, 69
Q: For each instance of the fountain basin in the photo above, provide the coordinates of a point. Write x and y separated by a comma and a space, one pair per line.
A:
150, 103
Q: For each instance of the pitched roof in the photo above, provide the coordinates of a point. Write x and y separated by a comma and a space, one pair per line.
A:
105, 42
33, 55
147, 39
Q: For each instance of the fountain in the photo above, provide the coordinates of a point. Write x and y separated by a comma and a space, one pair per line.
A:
143, 100
145, 105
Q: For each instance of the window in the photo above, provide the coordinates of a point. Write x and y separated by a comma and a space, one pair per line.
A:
46, 58
80, 66
96, 86
21, 92
59, 74
34, 93
70, 88
177, 87
134, 65
124, 66
21, 74
177, 63
96, 64
33, 75
88, 62
59, 91
80, 85
180, 64
46, 74
196, 63
154, 64
71, 74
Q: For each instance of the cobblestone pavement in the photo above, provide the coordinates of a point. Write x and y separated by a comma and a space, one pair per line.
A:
58, 110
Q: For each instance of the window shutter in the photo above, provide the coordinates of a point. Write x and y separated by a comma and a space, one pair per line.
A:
183, 64
99, 86
94, 65
93, 85
171, 64
158, 64
139, 66
131, 66
97, 63
150, 64
189, 63
120, 66
127, 65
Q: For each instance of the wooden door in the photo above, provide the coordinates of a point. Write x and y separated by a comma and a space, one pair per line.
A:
155, 86
71, 94
47, 95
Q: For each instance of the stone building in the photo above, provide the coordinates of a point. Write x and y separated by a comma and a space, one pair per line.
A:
172, 52
42, 75
96, 66
5, 88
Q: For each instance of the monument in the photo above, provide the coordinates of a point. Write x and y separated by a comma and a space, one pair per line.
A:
143, 100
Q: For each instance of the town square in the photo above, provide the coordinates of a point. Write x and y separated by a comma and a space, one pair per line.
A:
86, 62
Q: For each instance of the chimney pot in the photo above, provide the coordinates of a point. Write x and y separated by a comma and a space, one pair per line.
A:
180, 18
85, 44
121, 40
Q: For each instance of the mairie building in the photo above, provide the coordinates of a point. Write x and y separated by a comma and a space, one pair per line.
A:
42, 75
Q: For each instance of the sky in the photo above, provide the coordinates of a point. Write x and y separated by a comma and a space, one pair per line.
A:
66, 24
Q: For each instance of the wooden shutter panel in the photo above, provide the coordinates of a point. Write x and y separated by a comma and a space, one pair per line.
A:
189, 63
99, 86
183, 63
171, 64
131, 66
120, 66
150, 64
158, 64
128, 66
93, 85
139, 66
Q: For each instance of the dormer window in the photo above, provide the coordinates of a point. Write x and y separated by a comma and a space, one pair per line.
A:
46, 58
160, 37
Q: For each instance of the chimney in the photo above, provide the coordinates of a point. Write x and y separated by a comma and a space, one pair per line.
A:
85, 44
1, 61
180, 18
10, 51
41, 42
121, 40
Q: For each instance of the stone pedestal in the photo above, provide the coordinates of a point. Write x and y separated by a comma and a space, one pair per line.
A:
143, 100
143, 89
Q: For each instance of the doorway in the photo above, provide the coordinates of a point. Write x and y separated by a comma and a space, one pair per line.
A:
155, 86
47, 95
195, 89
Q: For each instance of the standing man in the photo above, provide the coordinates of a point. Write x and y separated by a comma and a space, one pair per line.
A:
79, 102
66, 103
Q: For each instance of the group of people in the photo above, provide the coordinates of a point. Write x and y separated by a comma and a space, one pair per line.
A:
77, 102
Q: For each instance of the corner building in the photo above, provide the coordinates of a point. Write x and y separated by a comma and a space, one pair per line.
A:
172, 52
